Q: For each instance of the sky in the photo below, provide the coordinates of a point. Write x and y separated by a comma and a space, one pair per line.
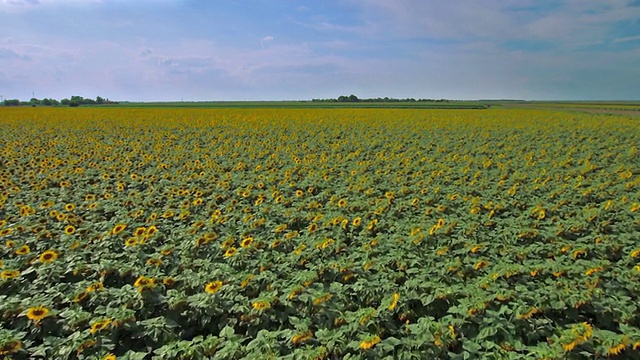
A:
168, 50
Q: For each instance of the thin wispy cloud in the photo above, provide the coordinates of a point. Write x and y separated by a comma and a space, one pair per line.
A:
166, 50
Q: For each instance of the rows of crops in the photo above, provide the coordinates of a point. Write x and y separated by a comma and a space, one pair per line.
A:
318, 234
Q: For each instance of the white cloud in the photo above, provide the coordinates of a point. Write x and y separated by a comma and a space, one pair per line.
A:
570, 21
627, 39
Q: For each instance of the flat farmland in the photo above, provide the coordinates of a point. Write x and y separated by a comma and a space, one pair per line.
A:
229, 233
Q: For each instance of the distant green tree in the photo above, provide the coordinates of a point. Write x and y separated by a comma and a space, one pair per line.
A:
11, 102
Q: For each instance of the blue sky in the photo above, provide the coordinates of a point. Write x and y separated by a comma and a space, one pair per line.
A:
166, 50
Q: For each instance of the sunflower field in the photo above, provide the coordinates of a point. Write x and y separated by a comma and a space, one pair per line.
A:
147, 233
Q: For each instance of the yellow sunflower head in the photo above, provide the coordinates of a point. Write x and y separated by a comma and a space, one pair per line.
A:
9, 274
261, 305
48, 256
69, 230
154, 262
37, 313
213, 287
23, 250
10, 347
230, 252
246, 242
118, 229
99, 326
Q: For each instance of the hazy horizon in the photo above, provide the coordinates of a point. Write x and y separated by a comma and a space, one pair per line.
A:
258, 50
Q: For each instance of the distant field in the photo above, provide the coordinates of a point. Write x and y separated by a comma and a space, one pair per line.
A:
312, 104
595, 107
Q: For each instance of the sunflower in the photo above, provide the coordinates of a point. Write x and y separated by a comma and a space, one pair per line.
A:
144, 240
69, 207
99, 326
132, 241
140, 231
230, 251
246, 242
118, 229
198, 224
154, 262
48, 256
342, 202
23, 250
213, 287
169, 281
151, 230
369, 342
6, 231
27, 210
10, 347
109, 356
201, 241
372, 224
166, 252
280, 228
245, 282
322, 299
95, 287
541, 215
480, 264
9, 274
69, 230
143, 281
261, 305
37, 313
394, 301
80, 297
47, 204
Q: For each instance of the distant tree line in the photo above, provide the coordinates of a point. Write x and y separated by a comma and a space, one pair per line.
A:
73, 101
353, 98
